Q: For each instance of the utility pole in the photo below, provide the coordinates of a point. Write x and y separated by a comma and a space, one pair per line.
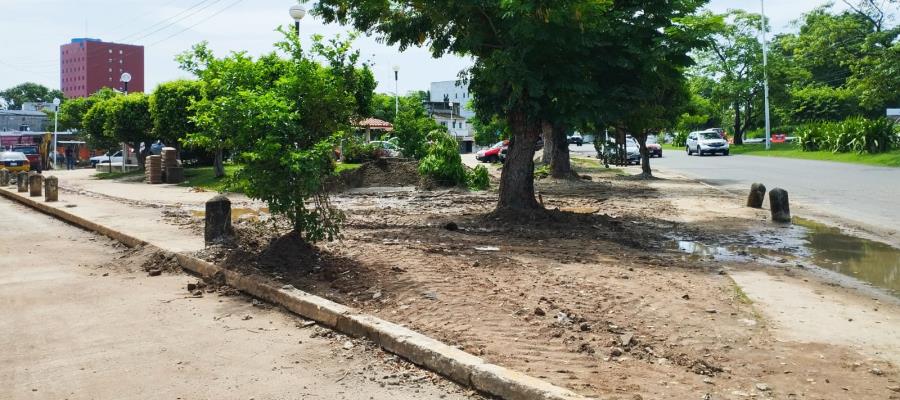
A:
765, 49
396, 92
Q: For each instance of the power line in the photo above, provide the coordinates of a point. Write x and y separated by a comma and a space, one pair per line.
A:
164, 21
178, 20
198, 23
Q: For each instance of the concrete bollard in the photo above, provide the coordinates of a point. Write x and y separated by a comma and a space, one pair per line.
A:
36, 185
51, 189
218, 219
780, 205
4, 177
757, 195
22, 181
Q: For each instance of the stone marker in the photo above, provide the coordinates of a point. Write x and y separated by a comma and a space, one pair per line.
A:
779, 204
4, 177
757, 195
22, 181
51, 189
36, 183
218, 219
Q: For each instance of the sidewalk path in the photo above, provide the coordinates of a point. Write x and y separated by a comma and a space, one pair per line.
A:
74, 325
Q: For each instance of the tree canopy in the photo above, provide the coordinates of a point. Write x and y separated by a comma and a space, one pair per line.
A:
17, 95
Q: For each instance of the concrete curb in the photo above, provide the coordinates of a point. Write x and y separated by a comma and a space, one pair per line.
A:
457, 365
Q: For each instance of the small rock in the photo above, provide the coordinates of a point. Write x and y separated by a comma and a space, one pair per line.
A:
191, 287
686, 297
894, 388
585, 327
876, 371
539, 312
476, 264
256, 303
762, 387
397, 269
711, 311
430, 295
348, 345
376, 296
451, 226
615, 352
154, 272
197, 293
625, 339
247, 317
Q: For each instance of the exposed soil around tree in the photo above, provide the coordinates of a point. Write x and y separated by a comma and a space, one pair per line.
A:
379, 173
592, 294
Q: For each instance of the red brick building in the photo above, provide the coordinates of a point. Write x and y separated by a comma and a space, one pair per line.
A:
88, 65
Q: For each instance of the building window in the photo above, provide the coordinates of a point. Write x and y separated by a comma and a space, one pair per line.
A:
120, 51
110, 51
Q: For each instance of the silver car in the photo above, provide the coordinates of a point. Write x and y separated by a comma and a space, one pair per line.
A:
706, 142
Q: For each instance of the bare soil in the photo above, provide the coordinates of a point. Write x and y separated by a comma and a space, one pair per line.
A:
590, 295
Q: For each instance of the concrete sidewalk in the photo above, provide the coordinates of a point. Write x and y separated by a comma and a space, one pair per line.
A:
130, 214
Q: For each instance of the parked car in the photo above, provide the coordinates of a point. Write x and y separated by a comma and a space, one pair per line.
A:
576, 138
492, 154
32, 153
706, 142
654, 149
14, 161
388, 148
632, 151
538, 146
116, 158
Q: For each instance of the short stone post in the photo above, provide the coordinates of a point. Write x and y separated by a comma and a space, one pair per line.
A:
22, 181
780, 205
51, 189
36, 185
757, 195
218, 219
4, 177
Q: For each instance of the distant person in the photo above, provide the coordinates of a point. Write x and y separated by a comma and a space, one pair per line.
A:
70, 158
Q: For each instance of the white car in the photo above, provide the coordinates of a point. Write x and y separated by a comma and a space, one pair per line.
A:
706, 142
390, 149
106, 159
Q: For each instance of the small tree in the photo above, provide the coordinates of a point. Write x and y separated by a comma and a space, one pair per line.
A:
128, 120
170, 110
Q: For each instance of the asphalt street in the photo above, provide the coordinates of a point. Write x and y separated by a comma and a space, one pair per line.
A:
860, 194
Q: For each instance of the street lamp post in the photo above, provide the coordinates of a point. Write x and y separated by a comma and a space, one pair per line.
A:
125, 78
56, 103
396, 92
452, 124
765, 49
297, 12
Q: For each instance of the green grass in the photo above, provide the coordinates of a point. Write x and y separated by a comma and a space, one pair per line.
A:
341, 167
791, 150
205, 178
593, 165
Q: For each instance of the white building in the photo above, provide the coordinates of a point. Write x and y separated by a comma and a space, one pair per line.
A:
449, 105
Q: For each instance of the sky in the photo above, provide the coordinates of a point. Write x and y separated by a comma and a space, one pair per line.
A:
34, 30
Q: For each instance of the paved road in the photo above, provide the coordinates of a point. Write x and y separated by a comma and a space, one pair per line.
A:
75, 326
862, 194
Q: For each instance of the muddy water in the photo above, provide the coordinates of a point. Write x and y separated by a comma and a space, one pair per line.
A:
866, 260
808, 242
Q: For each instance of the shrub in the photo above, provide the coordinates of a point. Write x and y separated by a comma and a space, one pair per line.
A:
442, 163
856, 134
356, 151
542, 172
478, 178
680, 139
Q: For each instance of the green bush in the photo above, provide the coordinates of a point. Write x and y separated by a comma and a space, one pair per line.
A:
479, 179
442, 163
853, 135
680, 139
356, 151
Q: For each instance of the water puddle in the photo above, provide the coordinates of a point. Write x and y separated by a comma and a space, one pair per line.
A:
808, 242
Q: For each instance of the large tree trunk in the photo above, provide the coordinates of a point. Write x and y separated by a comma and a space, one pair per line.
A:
560, 162
218, 164
138, 154
738, 132
646, 172
547, 134
517, 179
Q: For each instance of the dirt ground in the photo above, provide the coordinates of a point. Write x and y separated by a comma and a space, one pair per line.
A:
598, 295
81, 318
595, 295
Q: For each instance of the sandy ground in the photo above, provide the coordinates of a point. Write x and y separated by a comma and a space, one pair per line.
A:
76, 325
592, 296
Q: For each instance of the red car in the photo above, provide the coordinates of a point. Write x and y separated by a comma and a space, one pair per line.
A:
34, 157
492, 154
